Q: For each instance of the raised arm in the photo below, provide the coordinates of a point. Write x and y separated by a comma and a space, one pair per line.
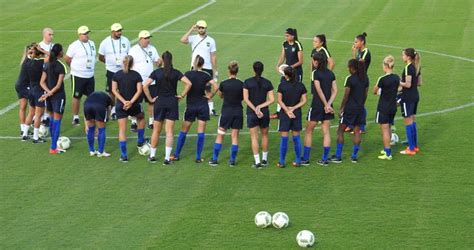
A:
185, 38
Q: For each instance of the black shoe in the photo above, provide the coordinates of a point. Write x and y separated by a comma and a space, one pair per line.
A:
150, 126
335, 159
45, 122
75, 122
39, 141
264, 163
231, 164
212, 163
304, 163
139, 145
133, 127
113, 116
257, 166
167, 162
123, 159
322, 163
214, 113
354, 160
25, 138
152, 159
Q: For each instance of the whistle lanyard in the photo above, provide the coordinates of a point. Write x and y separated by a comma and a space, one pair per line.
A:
90, 47
147, 55
113, 46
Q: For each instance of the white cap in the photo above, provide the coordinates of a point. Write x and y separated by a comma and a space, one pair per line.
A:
116, 27
83, 30
144, 34
201, 23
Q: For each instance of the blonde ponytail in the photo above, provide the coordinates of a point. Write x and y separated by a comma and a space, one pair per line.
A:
127, 63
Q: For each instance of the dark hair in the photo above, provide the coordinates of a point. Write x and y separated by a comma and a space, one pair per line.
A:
292, 32
358, 68
321, 59
322, 38
258, 69
361, 37
36, 52
167, 64
54, 53
233, 67
290, 72
415, 57
198, 62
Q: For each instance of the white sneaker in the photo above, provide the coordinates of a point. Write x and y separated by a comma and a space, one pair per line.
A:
104, 154
93, 153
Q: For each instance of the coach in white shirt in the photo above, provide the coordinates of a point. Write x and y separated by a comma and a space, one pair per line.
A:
145, 57
112, 50
81, 56
47, 43
205, 46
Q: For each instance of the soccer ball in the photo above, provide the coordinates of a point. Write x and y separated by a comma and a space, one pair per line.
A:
63, 143
280, 220
43, 132
394, 140
305, 238
282, 68
263, 219
144, 150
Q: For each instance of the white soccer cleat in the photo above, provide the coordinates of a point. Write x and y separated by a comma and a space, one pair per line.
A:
104, 154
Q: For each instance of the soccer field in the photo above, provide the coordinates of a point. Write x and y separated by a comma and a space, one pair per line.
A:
76, 201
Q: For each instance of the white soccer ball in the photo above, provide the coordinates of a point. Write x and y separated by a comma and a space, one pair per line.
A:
280, 220
43, 132
144, 150
282, 68
305, 238
395, 139
263, 219
63, 143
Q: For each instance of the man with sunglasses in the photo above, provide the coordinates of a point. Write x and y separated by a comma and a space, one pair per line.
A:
205, 46
81, 56
145, 57
112, 50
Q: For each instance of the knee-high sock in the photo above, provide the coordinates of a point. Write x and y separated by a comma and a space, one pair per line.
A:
283, 148
326, 151
200, 145
409, 131
123, 148
141, 136
306, 153
415, 134
355, 150
339, 147
56, 125
233, 152
217, 150
90, 138
101, 140
297, 147
180, 143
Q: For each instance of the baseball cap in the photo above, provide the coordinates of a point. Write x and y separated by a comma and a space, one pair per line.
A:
201, 23
116, 27
144, 34
83, 30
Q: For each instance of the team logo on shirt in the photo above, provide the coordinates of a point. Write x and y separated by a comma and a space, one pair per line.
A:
150, 54
208, 44
292, 49
93, 48
123, 45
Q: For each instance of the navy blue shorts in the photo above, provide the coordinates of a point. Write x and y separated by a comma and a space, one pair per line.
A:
353, 119
82, 86
231, 120
166, 108
318, 115
34, 96
383, 118
56, 104
408, 108
95, 111
197, 111
286, 124
135, 110
253, 121
22, 91
109, 76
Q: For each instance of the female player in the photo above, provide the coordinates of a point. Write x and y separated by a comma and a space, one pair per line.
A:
258, 94
361, 53
196, 107
52, 82
324, 90
291, 97
320, 45
34, 71
352, 108
96, 113
231, 90
165, 103
127, 89
411, 79
387, 86
22, 89
292, 55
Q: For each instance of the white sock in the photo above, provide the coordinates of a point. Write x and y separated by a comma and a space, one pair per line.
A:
113, 110
257, 158
24, 129
150, 120
211, 106
168, 153
152, 152
45, 116
278, 107
75, 117
35, 133
265, 156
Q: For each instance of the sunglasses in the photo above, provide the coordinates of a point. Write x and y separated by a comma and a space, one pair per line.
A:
201, 28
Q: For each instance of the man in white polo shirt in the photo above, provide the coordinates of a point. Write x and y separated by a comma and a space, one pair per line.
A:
112, 50
81, 56
145, 57
205, 46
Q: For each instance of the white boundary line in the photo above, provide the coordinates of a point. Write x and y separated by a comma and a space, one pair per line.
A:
272, 131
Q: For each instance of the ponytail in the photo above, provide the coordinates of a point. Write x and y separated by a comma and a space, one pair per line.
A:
322, 61
127, 63
258, 69
290, 73
167, 64
414, 57
293, 32
357, 68
322, 38
198, 62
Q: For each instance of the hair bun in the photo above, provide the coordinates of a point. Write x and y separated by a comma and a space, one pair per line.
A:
364, 34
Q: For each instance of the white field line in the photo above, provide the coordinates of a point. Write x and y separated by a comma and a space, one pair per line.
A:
272, 131
15, 104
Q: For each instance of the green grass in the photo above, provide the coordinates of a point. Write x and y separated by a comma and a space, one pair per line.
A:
72, 201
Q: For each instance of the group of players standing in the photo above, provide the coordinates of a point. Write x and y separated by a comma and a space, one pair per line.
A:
131, 77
